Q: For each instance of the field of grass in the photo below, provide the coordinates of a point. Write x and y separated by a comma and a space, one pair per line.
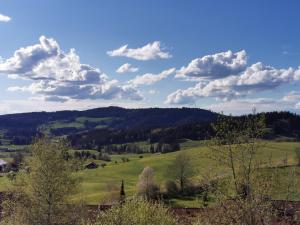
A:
95, 120
97, 185
78, 123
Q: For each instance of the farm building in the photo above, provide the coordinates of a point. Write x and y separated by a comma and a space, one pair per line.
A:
91, 165
3, 165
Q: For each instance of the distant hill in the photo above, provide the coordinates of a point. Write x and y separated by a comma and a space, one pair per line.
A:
114, 125
20, 128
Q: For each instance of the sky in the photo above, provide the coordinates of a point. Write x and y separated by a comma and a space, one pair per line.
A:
225, 56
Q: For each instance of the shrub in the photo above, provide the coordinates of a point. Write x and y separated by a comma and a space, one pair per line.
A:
171, 188
136, 212
103, 165
105, 157
125, 159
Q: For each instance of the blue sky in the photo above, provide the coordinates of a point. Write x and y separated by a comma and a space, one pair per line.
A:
221, 55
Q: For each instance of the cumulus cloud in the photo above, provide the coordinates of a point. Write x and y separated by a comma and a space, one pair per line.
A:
4, 18
148, 52
127, 68
258, 77
215, 66
149, 78
61, 76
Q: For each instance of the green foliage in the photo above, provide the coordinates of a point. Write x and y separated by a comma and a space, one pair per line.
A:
136, 212
39, 196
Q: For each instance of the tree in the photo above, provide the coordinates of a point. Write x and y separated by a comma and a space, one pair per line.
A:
146, 184
181, 170
122, 193
40, 195
236, 144
17, 160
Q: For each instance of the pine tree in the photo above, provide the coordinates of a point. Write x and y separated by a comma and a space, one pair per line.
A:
122, 193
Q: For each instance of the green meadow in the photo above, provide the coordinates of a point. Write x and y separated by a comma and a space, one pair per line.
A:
99, 185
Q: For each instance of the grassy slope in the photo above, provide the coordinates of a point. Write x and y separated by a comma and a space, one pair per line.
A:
97, 183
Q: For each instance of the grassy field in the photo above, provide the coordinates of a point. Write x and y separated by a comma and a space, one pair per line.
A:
98, 185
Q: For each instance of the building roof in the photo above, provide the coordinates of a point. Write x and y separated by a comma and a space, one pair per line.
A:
2, 162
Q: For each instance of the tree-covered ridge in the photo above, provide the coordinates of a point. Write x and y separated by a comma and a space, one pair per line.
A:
114, 125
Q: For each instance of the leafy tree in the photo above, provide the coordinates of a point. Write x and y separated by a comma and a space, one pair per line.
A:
40, 195
181, 170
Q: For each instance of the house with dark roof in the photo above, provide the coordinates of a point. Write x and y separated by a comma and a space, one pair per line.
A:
3, 165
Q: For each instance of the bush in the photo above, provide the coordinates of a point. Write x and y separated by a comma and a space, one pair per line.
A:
104, 157
136, 212
103, 165
125, 159
171, 188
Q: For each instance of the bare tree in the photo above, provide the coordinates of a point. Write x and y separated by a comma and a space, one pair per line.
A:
181, 170
236, 144
146, 184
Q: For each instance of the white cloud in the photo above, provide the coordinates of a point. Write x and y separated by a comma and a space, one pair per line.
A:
127, 68
239, 107
293, 96
215, 66
149, 78
59, 75
153, 91
148, 52
4, 18
38, 104
255, 78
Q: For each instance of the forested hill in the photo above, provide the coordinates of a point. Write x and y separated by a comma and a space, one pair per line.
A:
20, 128
119, 117
110, 125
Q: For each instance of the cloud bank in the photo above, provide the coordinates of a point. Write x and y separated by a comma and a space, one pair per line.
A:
60, 76
237, 79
